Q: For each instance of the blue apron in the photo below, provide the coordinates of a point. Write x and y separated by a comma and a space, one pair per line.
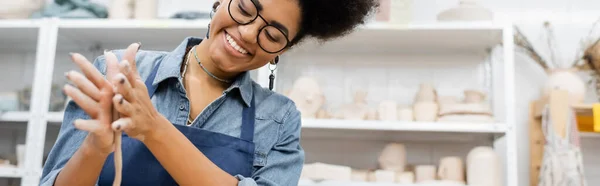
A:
233, 155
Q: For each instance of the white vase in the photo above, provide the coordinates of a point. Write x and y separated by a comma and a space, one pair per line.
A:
121, 9
424, 173
145, 9
565, 79
425, 111
426, 93
388, 111
19, 9
405, 114
393, 157
483, 167
451, 168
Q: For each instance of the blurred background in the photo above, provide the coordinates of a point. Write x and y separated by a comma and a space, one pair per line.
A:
428, 92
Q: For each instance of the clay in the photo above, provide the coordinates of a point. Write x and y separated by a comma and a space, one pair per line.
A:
388, 111
393, 157
405, 114
484, 167
426, 93
451, 168
308, 96
424, 173
425, 111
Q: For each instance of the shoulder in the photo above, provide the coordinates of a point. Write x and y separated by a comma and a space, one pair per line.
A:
277, 107
144, 60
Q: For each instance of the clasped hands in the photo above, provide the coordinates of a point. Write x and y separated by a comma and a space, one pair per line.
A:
122, 89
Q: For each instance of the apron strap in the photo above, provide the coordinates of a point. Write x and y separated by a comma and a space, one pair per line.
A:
248, 122
150, 79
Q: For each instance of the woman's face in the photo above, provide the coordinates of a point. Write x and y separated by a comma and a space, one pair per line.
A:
235, 48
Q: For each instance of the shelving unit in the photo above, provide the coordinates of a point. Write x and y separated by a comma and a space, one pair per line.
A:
432, 52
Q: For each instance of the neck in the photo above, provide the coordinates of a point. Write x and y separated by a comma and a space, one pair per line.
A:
196, 72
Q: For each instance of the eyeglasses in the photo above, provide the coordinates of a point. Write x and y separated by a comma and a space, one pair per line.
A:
270, 38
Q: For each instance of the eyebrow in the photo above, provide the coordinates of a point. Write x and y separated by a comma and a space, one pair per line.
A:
259, 6
277, 24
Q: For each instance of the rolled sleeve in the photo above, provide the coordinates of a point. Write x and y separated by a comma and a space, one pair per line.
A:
285, 160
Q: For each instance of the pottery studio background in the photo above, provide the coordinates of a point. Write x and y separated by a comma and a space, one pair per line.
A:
428, 107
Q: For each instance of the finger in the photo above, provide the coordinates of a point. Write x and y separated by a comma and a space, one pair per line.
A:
89, 70
123, 87
85, 102
130, 54
125, 69
92, 126
122, 105
84, 84
112, 65
123, 124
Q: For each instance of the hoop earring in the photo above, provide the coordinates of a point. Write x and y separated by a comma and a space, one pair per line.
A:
272, 68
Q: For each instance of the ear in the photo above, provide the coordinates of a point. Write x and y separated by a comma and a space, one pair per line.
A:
216, 5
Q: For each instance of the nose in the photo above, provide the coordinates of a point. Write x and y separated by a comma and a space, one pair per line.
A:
249, 32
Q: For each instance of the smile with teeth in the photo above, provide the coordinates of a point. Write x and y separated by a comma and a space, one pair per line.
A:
233, 44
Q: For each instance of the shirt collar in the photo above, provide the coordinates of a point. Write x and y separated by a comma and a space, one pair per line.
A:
171, 65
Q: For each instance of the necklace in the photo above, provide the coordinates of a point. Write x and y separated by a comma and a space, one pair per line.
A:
189, 120
207, 72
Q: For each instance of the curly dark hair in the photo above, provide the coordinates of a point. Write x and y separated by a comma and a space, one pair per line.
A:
329, 19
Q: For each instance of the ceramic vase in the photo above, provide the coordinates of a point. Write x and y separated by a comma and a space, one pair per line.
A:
405, 178
19, 9
483, 167
146, 9
308, 96
565, 79
451, 168
426, 93
424, 173
121, 9
425, 111
474, 96
393, 157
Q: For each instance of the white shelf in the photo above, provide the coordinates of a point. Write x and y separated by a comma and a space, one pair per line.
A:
6, 172
15, 116
55, 117
404, 126
19, 35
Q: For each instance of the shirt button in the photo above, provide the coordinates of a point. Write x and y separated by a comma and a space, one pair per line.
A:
181, 107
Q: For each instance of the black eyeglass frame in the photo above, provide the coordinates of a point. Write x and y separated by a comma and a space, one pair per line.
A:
287, 44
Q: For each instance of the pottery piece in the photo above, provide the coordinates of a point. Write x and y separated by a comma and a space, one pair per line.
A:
393, 157
405, 177
451, 168
307, 95
467, 10
357, 110
19, 9
472, 118
20, 155
322, 114
425, 111
121, 9
388, 111
360, 175
565, 79
465, 108
322, 171
405, 114
483, 167
145, 9
474, 96
424, 173
426, 93
384, 176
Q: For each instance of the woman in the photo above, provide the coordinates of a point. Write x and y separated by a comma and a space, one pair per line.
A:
193, 116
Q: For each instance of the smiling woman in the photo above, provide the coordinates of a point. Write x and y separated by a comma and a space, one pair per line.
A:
193, 116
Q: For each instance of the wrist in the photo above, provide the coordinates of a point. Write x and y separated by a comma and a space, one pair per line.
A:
88, 149
157, 131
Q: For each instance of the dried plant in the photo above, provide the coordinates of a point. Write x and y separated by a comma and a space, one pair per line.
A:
522, 43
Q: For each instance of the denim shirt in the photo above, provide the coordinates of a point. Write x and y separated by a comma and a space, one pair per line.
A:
278, 157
